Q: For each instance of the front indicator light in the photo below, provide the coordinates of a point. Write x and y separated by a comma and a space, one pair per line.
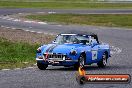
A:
64, 58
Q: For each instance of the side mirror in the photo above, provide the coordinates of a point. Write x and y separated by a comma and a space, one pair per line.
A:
54, 42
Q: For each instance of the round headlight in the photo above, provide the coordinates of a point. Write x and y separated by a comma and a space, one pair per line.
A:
73, 52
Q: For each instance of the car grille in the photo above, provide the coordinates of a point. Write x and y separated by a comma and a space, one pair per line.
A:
55, 56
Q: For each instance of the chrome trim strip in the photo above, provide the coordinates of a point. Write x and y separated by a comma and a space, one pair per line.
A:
57, 60
39, 59
52, 54
65, 60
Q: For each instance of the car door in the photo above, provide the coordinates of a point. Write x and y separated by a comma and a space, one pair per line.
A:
95, 50
94, 53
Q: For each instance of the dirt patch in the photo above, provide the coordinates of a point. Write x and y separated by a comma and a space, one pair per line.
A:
23, 36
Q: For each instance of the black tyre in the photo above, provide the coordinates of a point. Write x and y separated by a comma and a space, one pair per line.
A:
81, 62
103, 62
42, 66
82, 80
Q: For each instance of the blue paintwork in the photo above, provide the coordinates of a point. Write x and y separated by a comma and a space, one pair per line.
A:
100, 49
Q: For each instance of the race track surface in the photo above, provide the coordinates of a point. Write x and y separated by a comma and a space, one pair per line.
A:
120, 40
78, 11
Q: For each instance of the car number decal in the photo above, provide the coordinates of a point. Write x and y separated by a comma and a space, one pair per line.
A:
94, 54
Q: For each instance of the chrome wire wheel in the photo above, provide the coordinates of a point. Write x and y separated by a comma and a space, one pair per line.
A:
81, 61
103, 62
104, 59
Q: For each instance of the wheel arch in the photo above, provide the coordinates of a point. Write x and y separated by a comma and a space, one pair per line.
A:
107, 54
84, 54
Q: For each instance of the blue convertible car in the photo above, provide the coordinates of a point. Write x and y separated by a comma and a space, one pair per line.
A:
73, 50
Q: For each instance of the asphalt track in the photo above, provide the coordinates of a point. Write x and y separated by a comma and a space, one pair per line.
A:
60, 77
78, 11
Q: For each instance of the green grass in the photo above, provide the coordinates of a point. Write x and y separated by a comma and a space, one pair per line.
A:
111, 20
52, 0
67, 1
64, 5
13, 55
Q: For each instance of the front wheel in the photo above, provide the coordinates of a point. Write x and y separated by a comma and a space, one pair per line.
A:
103, 62
42, 66
81, 62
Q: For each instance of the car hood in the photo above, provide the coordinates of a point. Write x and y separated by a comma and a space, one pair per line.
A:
61, 49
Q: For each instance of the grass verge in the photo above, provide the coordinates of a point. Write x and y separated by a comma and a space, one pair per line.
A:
52, 0
111, 20
18, 48
18, 54
64, 5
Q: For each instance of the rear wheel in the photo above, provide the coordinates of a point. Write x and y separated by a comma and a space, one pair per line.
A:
42, 66
81, 62
103, 62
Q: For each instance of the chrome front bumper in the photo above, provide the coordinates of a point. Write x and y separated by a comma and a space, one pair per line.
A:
55, 61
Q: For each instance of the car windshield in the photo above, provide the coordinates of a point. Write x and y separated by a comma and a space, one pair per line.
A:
71, 39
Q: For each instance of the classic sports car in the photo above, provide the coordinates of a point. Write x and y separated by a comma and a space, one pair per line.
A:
73, 50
